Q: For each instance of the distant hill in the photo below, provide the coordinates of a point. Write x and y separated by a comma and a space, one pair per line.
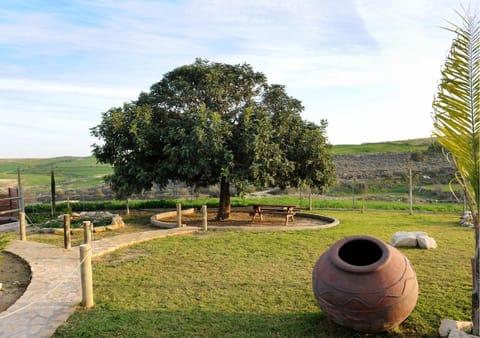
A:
421, 144
390, 165
364, 161
70, 172
386, 161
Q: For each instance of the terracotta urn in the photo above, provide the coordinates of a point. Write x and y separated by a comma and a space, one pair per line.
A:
363, 283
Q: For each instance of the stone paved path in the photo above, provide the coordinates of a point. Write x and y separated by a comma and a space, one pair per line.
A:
55, 287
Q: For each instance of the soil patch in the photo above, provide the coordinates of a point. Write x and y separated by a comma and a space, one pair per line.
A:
15, 276
241, 218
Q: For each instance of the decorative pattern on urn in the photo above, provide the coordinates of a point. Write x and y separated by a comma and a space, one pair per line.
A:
365, 284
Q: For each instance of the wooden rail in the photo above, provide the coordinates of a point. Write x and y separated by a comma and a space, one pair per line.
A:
11, 203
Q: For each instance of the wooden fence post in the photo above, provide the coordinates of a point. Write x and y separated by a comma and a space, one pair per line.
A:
204, 218
87, 232
21, 201
86, 275
179, 215
23, 230
67, 239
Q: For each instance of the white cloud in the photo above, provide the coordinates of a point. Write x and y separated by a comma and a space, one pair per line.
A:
26, 85
369, 66
412, 47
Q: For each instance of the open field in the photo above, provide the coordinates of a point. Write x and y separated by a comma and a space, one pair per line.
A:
258, 284
70, 172
414, 145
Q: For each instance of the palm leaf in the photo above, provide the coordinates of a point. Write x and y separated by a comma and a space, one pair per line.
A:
457, 127
457, 106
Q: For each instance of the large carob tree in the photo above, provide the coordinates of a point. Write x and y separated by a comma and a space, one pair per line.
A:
212, 123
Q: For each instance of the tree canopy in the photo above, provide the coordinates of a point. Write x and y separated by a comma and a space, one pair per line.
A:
207, 123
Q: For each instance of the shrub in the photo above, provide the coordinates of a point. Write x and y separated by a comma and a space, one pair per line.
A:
3, 241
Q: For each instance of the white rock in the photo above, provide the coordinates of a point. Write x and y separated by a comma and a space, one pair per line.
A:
466, 219
404, 239
447, 325
426, 242
460, 334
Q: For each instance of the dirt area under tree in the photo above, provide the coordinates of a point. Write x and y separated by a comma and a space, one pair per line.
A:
243, 219
15, 276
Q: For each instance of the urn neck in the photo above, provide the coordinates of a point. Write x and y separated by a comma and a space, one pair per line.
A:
360, 254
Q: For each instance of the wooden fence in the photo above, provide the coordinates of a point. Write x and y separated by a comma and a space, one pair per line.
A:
10, 203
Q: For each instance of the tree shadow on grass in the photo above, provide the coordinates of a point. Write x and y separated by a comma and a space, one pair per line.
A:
158, 323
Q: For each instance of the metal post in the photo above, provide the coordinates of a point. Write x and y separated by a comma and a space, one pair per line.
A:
179, 215
23, 231
67, 239
204, 218
87, 232
86, 275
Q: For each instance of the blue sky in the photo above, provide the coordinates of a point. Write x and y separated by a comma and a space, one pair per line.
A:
370, 67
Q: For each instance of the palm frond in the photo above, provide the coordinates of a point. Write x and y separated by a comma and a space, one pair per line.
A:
457, 105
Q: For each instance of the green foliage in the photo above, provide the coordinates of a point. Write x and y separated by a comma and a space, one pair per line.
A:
77, 223
258, 284
318, 202
417, 156
207, 123
457, 127
53, 191
3, 241
457, 106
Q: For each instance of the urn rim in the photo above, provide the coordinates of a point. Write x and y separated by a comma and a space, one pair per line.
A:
379, 257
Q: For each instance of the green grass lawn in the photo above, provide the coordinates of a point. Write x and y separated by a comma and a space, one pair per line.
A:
258, 284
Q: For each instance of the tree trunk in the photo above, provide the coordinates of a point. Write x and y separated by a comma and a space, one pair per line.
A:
224, 207
475, 210
475, 295
476, 279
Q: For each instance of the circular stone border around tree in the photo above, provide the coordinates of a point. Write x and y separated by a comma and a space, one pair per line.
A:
241, 220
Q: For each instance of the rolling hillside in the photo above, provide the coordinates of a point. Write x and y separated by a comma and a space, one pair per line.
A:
392, 159
375, 163
70, 172
421, 144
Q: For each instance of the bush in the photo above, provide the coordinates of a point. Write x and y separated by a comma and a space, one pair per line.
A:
3, 241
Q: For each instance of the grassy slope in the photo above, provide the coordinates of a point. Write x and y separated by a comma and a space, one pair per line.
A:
70, 172
383, 147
